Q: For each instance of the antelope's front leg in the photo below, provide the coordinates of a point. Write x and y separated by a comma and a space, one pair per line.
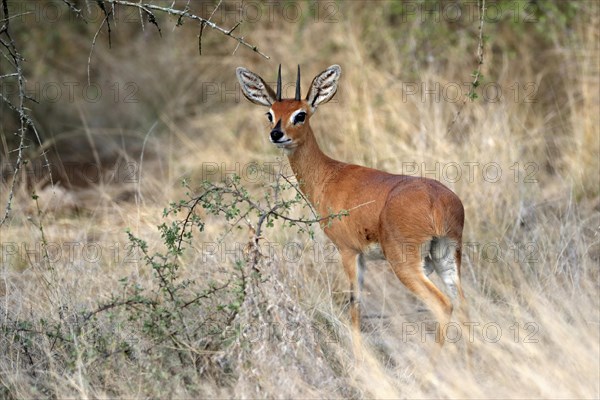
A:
354, 266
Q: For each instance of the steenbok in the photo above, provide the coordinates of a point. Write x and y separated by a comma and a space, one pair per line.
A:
416, 222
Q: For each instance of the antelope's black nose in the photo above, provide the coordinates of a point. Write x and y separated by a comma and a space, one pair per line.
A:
276, 134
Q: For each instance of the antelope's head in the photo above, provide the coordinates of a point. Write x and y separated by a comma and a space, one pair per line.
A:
289, 117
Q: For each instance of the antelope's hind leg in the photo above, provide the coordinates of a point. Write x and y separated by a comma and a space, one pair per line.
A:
411, 267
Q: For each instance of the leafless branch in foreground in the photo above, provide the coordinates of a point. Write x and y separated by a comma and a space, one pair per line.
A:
148, 10
10, 52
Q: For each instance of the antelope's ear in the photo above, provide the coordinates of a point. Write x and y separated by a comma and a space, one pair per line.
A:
254, 88
323, 87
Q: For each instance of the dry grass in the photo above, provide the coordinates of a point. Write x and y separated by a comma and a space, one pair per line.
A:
531, 270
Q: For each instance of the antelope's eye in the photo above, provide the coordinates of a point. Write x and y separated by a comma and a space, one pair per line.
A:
300, 117
270, 117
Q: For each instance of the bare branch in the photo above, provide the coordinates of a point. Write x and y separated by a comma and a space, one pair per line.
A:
25, 121
9, 51
185, 14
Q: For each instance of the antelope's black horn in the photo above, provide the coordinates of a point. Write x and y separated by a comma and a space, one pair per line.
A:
298, 85
279, 84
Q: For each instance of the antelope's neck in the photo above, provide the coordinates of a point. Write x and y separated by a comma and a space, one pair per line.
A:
313, 169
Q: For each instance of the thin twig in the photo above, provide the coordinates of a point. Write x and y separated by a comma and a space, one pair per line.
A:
185, 9
106, 19
92, 47
13, 17
297, 189
139, 177
202, 24
477, 74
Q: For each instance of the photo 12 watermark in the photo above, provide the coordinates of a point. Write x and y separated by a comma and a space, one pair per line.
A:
455, 92
466, 11
472, 172
69, 252
73, 91
121, 172
231, 251
490, 332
